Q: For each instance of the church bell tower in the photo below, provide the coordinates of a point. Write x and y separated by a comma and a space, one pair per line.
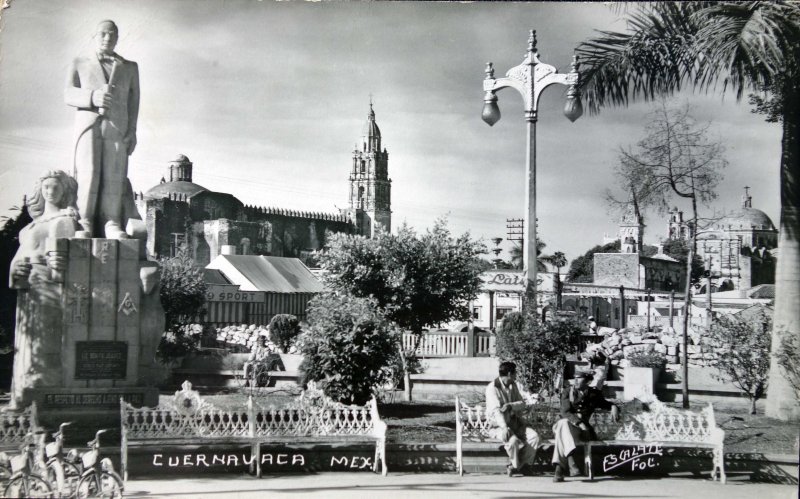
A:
370, 185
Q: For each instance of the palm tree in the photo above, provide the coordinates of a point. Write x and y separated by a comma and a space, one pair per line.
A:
515, 254
745, 47
557, 260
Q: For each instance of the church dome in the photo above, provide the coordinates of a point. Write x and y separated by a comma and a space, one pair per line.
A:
180, 181
747, 218
167, 189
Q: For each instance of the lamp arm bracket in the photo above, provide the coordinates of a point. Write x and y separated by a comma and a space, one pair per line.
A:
494, 84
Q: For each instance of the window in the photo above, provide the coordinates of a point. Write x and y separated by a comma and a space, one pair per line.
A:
476, 313
178, 240
502, 311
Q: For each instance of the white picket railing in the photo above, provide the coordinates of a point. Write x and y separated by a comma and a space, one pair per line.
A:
450, 344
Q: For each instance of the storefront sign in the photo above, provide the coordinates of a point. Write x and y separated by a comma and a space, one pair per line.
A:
101, 359
222, 293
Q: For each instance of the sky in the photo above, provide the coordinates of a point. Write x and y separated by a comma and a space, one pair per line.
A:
268, 100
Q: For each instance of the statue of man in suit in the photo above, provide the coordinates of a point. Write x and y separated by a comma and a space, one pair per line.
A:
104, 89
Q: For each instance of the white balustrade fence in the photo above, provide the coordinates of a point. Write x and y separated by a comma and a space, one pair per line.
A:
451, 344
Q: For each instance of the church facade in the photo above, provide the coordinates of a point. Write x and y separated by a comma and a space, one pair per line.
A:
740, 247
180, 213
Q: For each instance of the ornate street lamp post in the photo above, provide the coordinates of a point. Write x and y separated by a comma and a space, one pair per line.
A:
529, 79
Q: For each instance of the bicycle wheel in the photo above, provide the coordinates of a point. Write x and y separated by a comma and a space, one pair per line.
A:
28, 486
96, 484
63, 477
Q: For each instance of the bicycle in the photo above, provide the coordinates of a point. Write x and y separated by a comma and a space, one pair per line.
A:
61, 472
98, 481
24, 481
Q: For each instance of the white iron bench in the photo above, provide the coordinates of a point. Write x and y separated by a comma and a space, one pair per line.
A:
659, 426
15, 426
311, 418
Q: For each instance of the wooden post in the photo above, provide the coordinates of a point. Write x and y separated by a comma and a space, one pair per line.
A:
491, 310
648, 309
471, 340
622, 306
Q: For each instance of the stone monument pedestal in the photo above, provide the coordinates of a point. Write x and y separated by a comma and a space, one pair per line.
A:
107, 308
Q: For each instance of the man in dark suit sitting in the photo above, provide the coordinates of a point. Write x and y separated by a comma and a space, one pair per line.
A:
578, 403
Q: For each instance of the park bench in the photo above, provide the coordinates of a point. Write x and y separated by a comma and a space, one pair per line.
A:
14, 426
647, 430
188, 420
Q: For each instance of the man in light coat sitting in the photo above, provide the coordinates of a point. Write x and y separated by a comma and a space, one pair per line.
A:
506, 407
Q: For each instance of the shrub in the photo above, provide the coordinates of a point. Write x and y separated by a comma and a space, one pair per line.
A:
183, 289
283, 329
513, 322
539, 350
745, 356
652, 359
179, 341
348, 347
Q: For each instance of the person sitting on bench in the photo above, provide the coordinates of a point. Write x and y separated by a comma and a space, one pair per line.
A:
505, 407
578, 403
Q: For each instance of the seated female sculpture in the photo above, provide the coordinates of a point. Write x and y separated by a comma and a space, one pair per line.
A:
34, 270
52, 205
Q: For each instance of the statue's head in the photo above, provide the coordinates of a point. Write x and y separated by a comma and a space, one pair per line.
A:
55, 187
106, 36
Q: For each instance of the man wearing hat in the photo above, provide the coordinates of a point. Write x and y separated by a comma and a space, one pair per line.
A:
506, 407
578, 403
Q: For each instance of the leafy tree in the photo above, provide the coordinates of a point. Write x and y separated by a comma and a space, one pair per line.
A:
745, 356
675, 157
349, 347
748, 47
183, 295
557, 260
418, 281
9, 244
788, 356
582, 268
283, 329
538, 349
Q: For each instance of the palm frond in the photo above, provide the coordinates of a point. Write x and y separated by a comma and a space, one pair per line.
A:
668, 45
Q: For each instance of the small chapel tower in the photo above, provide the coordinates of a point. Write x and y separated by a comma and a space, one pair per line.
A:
370, 185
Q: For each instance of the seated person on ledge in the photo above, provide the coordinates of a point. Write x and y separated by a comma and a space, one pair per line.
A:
506, 408
578, 403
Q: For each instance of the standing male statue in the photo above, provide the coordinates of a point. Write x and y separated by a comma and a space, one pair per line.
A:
104, 89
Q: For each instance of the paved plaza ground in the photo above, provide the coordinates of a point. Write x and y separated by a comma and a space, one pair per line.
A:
438, 485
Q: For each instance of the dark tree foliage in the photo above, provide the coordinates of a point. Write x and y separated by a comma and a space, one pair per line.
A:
538, 349
582, 268
9, 244
183, 296
183, 289
283, 329
349, 347
419, 280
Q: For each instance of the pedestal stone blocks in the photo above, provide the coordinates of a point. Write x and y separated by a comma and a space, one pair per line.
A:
111, 325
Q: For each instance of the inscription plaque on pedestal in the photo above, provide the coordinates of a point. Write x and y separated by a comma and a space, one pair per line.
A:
101, 359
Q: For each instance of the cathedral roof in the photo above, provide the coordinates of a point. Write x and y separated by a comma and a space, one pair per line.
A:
168, 189
747, 218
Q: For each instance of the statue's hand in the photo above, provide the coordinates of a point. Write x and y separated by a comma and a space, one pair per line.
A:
56, 260
21, 269
130, 142
101, 98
